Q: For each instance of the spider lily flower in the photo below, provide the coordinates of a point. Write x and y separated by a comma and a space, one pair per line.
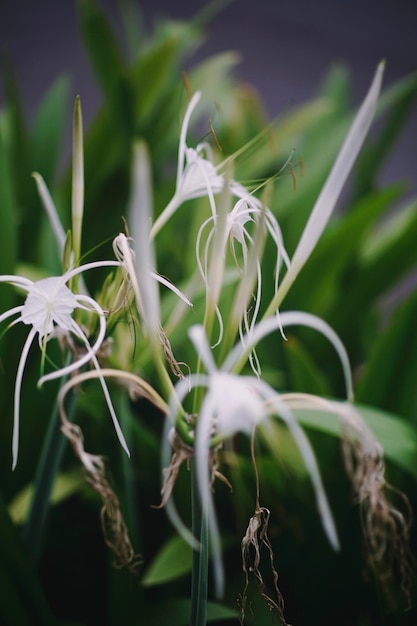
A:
127, 259
198, 176
235, 231
49, 307
149, 311
235, 403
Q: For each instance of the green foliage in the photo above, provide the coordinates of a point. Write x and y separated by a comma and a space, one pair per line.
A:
368, 251
174, 560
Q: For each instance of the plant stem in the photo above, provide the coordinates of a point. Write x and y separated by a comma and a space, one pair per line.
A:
199, 578
48, 467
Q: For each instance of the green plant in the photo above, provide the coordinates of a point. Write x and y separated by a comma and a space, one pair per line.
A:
226, 251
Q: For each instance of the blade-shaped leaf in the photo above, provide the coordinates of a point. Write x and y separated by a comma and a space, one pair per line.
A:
397, 437
22, 599
389, 379
174, 560
49, 130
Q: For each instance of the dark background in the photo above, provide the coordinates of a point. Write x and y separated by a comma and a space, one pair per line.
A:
286, 46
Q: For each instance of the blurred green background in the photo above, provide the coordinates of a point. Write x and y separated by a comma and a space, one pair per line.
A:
360, 279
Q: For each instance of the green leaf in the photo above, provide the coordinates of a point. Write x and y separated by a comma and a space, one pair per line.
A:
396, 104
213, 75
65, 486
179, 613
8, 230
303, 371
336, 87
282, 136
18, 135
389, 379
337, 253
174, 560
156, 73
109, 66
133, 25
101, 45
22, 599
391, 252
397, 437
381, 268
49, 130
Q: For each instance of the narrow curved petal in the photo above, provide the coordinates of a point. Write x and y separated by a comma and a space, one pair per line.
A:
110, 406
10, 313
16, 281
297, 318
19, 376
167, 283
183, 136
276, 403
89, 266
91, 350
198, 336
236, 358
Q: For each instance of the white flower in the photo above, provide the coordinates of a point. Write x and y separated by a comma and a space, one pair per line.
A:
197, 176
49, 305
235, 403
127, 259
234, 229
49, 302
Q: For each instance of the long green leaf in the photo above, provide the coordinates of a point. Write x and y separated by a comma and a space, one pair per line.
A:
49, 130
337, 253
22, 599
177, 613
101, 44
389, 378
303, 371
378, 273
174, 560
396, 105
108, 64
397, 437
156, 75
8, 205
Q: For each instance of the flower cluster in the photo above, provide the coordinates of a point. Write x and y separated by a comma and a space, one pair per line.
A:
223, 400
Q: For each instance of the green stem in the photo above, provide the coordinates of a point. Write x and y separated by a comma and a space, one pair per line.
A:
131, 494
48, 467
199, 578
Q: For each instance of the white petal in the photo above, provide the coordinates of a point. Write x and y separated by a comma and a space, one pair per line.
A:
18, 386
91, 350
306, 451
198, 336
237, 356
49, 300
